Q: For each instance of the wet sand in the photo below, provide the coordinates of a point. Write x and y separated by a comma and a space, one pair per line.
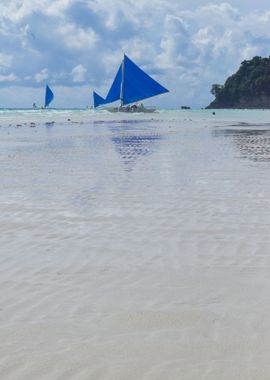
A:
134, 249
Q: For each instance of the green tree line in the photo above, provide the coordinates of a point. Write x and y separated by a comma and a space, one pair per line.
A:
250, 81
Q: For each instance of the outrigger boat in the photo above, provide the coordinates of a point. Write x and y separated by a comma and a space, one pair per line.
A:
131, 85
49, 96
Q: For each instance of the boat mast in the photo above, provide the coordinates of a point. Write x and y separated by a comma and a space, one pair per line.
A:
122, 84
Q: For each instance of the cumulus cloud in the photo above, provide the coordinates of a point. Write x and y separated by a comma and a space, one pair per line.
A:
76, 37
8, 78
78, 73
42, 75
186, 45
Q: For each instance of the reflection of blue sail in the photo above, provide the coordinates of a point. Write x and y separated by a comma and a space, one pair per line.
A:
132, 84
133, 147
48, 96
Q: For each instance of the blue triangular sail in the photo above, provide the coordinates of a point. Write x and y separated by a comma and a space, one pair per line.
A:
137, 85
115, 90
130, 84
98, 100
48, 96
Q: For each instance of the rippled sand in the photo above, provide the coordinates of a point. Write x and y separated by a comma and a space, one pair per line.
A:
134, 249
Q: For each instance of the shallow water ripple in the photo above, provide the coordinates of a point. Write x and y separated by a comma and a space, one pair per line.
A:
134, 249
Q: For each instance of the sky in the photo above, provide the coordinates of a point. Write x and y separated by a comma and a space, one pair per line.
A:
76, 46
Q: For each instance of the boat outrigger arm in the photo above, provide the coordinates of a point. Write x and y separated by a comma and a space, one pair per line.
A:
131, 84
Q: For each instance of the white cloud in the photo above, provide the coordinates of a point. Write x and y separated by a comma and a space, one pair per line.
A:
8, 78
17, 10
42, 75
187, 45
78, 73
76, 37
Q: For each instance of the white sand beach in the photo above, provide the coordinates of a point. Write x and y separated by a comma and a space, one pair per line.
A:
133, 246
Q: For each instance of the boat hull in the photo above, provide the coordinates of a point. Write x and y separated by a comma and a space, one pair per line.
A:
131, 109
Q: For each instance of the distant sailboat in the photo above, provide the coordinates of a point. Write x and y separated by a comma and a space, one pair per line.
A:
48, 96
131, 84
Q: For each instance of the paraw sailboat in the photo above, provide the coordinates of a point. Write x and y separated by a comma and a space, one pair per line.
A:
131, 85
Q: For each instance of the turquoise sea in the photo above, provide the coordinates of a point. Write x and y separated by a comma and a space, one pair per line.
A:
17, 115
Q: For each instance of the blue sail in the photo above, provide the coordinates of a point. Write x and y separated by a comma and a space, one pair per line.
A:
98, 100
115, 90
130, 84
48, 96
137, 85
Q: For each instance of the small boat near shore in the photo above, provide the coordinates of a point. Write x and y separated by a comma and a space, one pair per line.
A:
131, 85
49, 96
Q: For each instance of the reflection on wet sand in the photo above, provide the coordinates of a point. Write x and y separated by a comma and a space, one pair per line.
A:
131, 148
132, 140
253, 144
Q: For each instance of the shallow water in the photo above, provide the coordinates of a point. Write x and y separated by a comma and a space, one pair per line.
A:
134, 247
